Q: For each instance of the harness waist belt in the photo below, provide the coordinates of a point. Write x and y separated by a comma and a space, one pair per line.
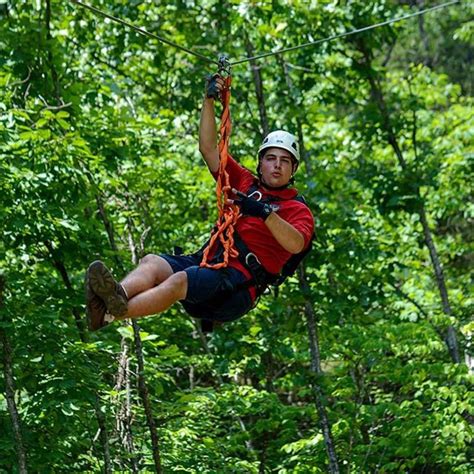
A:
261, 278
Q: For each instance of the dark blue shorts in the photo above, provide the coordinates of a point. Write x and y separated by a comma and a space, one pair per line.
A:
212, 294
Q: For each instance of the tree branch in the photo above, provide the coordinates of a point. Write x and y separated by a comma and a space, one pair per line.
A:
10, 389
54, 72
378, 99
317, 370
258, 83
142, 386
61, 268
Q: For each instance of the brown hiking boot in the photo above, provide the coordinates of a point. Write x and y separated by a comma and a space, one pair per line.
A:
103, 285
95, 309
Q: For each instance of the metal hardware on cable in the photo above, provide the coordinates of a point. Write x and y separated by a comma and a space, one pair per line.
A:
223, 71
228, 213
224, 65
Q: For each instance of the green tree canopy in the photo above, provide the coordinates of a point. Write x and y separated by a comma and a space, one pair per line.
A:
99, 159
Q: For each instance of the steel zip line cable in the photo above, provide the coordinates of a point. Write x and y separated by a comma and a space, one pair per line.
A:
144, 32
342, 35
271, 53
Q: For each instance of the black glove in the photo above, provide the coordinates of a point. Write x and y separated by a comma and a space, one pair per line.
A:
212, 92
251, 207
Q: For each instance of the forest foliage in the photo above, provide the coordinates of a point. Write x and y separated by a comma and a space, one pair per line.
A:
99, 159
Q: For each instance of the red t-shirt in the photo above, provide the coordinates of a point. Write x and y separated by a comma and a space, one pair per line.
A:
254, 231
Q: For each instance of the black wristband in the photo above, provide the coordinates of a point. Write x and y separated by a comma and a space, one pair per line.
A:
251, 207
266, 211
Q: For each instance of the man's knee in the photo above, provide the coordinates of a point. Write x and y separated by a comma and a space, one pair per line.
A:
150, 259
179, 282
158, 265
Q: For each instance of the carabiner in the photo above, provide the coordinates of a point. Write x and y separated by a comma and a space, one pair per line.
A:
224, 64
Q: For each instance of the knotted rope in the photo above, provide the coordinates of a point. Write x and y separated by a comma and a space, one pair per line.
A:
228, 213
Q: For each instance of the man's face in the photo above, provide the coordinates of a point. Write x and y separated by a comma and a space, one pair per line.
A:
276, 167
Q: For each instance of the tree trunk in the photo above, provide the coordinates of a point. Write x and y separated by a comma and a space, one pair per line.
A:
123, 417
142, 387
54, 72
61, 268
145, 396
10, 390
427, 60
258, 83
263, 454
378, 98
450, 337
123, 421
316, 369
104, 439
299, 123
107, 225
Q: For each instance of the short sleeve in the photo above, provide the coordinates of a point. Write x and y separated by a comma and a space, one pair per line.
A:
239, 177
302, 220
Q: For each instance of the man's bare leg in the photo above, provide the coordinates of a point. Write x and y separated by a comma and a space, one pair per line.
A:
151, 271
158, 299
153, 287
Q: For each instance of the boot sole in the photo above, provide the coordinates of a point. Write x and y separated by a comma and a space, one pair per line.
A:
94, 316
104, 285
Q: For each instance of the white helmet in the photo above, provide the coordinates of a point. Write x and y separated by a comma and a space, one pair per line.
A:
281, 139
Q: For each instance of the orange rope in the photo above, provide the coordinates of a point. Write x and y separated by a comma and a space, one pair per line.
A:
228, 213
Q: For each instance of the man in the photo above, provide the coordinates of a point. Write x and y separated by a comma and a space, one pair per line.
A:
274, 226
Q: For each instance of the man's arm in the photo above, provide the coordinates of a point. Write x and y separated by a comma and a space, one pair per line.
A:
208, 133
291, 239
285, 234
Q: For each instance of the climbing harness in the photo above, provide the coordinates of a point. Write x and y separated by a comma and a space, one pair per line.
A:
228, 213
261, 278
271, 53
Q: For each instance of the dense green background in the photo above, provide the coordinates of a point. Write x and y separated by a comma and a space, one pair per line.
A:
99, 159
